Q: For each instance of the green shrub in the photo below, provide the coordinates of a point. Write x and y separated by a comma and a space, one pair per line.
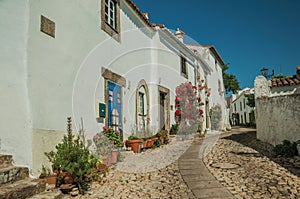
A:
174, 129
133, 137
156, 144
72, 157
286, 149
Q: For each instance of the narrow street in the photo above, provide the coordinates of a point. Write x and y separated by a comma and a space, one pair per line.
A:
237, 166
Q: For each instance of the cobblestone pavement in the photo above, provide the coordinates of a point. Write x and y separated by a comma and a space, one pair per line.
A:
164, 183
256, 176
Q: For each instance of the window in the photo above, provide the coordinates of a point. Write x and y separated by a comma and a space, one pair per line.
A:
141, 104
220, 88
142, 116
110, 13
241, 106
183, 67
110, 17
115, 119
119, 97
110, 95
216, 65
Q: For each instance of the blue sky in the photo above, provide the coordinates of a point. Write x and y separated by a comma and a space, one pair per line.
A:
249, 34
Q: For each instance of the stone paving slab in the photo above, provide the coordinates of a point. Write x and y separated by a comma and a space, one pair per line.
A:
204, 184
212, 193
198, 178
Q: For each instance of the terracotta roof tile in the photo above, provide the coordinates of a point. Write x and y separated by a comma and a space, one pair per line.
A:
288, 81
137, 10
159, 25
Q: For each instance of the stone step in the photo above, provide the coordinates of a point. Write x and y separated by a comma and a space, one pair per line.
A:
10, 173
22, 189
6, 159
55, 194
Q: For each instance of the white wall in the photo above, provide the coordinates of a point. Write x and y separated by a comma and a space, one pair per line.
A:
217, 96
278, 118
15, 132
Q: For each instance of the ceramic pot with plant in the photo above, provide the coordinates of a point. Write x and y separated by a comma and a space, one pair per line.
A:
49, 177
134, 143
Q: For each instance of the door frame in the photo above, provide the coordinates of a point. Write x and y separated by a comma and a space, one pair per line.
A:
165, 90
117, 79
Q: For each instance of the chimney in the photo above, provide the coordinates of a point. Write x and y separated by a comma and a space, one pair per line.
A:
145, 14
298, 72
179, 34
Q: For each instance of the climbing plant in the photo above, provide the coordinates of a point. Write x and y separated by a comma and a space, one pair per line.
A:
187, 111
215, 117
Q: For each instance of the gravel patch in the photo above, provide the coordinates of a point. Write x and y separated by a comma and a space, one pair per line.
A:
155, 159
257, 175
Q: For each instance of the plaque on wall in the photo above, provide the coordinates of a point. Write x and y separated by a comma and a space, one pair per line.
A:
47, 26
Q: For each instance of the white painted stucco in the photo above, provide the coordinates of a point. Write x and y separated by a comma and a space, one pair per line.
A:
15, 128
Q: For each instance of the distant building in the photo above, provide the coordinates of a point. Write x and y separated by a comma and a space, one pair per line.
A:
241, 113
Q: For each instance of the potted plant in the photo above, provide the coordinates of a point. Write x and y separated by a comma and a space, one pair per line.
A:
73, 157
134, 143
49, 177
162, 135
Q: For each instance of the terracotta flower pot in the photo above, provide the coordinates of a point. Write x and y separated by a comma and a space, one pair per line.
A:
51, 179
114, 156
150, 143
161, 140
145, 144
134, 144
106, 160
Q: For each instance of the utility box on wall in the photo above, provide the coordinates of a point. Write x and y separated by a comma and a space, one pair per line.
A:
102, 112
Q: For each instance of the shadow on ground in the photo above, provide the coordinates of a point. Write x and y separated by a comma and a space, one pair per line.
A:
249, 139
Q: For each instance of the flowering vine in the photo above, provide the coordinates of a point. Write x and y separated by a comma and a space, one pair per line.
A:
186, 104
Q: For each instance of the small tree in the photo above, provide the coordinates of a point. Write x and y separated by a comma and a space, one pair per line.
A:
231, 83
250, 100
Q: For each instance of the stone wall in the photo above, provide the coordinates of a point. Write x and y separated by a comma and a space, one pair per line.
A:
278, 118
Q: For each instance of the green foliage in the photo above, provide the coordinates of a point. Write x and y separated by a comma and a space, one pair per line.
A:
133, 137
174, 129
230, 81
280, 75
286, 149
45, 171
103, 145
156, 144
163, 134
250, 100
71, 156
215, 117
113, 136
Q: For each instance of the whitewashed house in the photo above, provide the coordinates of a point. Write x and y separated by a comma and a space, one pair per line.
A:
211, 69
101, 61
240, 113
